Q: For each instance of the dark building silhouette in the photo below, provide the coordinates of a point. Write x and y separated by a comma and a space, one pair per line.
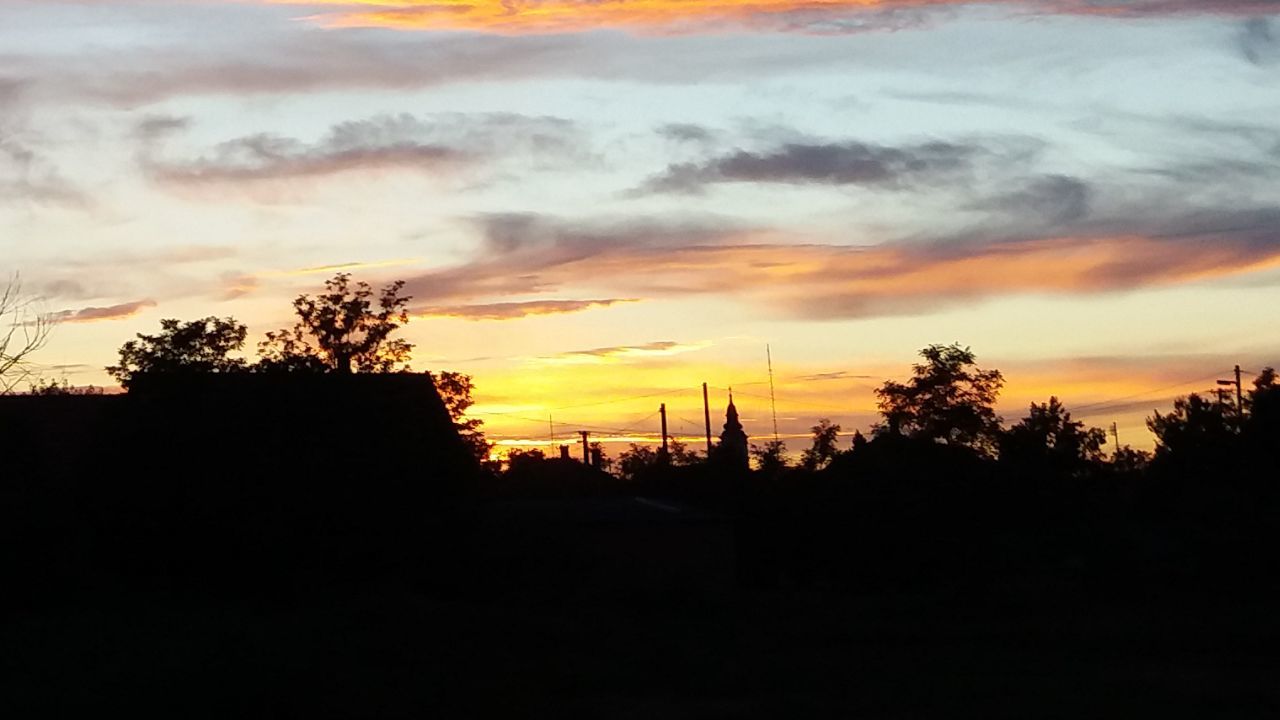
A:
733, 440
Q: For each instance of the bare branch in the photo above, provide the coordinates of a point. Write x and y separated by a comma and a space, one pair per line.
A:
23, 331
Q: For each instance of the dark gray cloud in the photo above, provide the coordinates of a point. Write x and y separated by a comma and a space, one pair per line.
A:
436, 144
1052, 200
1259, 41
843, 163
687, 132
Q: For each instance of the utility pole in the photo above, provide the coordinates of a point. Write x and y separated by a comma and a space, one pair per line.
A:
706, 414
662, 410
1239, 396
586, 451
1115, 432
551, 425
1239, 392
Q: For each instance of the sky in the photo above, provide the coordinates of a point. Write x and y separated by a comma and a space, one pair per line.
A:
599, 205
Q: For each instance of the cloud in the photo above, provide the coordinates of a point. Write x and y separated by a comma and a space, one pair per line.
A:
436, 144
827, 281
845, 163
26, 174
687, 132
112, 312
514, 17
622, 353
1050, 200
1259, 41
515, 310
528, 254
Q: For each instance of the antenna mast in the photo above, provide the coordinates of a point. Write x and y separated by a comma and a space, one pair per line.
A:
773, 401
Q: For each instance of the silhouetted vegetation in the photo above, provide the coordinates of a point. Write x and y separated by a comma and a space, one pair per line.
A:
307, 485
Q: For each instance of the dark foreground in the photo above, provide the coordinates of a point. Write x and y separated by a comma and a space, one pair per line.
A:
626, 608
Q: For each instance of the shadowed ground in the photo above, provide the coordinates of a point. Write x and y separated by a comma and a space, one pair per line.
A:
623, 608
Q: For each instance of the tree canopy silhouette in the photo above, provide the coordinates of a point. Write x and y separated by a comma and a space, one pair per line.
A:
771, 458
1047, 438
824, 449
199, 346
345, 329
948, 400
455, 390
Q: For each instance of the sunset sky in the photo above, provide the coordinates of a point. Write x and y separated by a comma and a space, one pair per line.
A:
598, 205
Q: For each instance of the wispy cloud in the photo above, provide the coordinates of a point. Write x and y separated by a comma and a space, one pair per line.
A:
622, 353
846, 163
826, 281
515, 310
440, 144
111, 312
830, 16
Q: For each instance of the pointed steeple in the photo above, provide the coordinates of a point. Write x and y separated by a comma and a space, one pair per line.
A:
733, 441
731, 421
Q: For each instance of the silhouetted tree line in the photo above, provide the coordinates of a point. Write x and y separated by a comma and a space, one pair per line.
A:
346, 329
325, 462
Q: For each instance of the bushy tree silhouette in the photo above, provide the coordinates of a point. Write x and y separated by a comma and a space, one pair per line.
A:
1047, 439
636, 460
771, 457
947, 400
455, 390
1197, 426
345, 329
196, 347
824, 448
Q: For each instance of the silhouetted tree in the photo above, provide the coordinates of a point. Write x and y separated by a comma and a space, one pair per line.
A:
859, 440
947, 400
517, 458
1048, 439
345, 329
455, 390
1262, 405
599, 458
824, 448
23, 331
771, 457
636, 460
200, 346
1197, 427
1126, 460
680, 455
47, 388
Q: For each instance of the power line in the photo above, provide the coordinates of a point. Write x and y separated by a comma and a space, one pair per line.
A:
1105, 404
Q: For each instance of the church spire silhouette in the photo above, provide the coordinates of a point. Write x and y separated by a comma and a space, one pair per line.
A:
733, 440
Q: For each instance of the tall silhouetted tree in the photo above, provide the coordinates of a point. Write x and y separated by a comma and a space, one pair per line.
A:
23, 331
345, 329
200, 346
948, 400
1048, 439
824, 448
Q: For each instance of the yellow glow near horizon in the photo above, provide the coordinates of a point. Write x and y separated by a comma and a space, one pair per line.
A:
811, 16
